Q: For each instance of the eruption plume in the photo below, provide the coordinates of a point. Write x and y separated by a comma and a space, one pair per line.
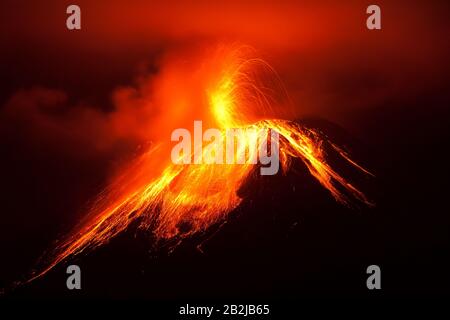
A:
176, 201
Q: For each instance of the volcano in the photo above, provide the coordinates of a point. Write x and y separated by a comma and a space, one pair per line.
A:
177, 200
273, 245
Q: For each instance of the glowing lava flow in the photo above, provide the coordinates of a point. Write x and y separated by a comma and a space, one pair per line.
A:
176, 201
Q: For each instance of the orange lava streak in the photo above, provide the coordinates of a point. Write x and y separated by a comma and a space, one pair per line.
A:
177, 201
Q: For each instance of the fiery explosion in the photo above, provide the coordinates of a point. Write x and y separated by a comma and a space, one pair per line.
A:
177, 201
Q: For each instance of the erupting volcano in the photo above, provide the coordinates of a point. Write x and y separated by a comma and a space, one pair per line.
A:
175, 201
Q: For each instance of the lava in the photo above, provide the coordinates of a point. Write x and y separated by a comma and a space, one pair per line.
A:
176, 201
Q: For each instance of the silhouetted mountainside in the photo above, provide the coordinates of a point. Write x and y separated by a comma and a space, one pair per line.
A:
280, 242
291, 239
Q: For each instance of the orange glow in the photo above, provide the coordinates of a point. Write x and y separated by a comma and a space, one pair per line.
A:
177, 201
